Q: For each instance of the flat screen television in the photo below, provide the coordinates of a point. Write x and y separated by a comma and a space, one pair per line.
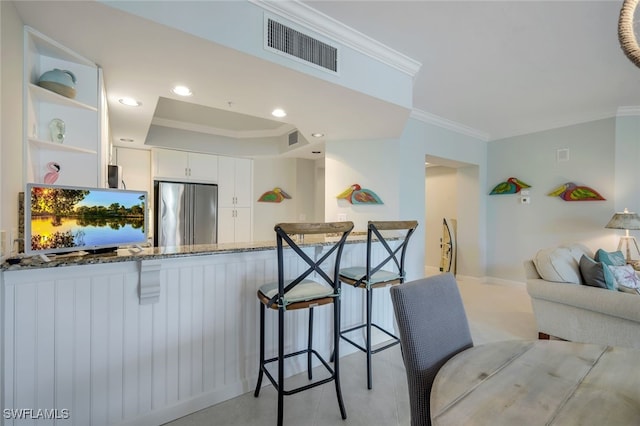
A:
62, 219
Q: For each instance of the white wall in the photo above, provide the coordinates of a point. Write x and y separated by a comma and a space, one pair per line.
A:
11, 126
394, 169
373, 165
518, 231
627, 163
297, 178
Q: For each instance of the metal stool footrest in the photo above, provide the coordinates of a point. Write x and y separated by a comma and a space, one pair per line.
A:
373, 351
275, 383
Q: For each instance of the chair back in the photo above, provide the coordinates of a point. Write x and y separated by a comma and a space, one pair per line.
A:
433, 327
285, 233
397, 255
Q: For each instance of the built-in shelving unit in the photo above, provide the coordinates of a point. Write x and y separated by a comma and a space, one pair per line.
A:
81, 155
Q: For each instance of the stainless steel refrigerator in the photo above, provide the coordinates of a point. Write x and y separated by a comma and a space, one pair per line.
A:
186, 213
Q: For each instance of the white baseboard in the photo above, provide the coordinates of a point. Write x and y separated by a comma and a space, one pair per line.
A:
190, 406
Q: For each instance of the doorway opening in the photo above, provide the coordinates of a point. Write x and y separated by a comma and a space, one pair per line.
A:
452, 192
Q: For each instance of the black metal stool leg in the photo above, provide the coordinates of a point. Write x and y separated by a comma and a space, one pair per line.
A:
280, 364
310, 343
336, 360
260, 372
368, 342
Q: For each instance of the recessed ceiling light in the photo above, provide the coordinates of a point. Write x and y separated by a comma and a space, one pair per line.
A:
182, 91
129, 102
279, 112
317, 135
126, 140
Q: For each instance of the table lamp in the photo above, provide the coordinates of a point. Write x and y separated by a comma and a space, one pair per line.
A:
626, 220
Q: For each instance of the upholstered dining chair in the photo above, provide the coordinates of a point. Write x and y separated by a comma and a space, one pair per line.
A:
433, 327
388, 271
308, 289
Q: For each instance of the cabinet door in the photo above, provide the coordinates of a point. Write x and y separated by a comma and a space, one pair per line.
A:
170, 163
136, 168
203, 167
226, 225
226, 181
243, 225
243, 184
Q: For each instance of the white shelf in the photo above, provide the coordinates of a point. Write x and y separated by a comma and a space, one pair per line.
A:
54, 146
83, 154
49, 96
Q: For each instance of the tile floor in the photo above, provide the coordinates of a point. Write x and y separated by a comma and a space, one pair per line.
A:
496, 311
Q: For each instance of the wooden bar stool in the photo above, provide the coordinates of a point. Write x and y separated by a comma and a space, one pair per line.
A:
375, 275
302, 292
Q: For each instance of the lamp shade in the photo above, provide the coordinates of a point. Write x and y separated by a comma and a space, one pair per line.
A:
624, 220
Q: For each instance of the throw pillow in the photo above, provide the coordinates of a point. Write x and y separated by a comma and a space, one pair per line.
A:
614, 258
578, 249
558, 265
596, 274
625, 276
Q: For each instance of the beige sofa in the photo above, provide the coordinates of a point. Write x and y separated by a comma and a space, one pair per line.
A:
581, 313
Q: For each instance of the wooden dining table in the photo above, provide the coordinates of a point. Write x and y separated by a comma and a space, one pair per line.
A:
525, 383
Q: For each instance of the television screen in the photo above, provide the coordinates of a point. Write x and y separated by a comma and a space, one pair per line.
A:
63, 218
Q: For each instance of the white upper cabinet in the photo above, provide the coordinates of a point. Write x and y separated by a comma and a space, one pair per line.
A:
136, 167
185, 166
68, 130
235, 182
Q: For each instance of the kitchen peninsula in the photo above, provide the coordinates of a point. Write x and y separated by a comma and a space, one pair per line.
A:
144, 338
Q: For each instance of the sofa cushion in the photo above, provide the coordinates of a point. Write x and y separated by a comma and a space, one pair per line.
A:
625, 277
596, 274
615, 258
558, 264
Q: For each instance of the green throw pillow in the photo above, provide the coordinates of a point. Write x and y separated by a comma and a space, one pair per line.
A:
614, 258
597, 274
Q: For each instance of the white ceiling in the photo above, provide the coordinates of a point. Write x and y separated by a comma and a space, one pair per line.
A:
498, 68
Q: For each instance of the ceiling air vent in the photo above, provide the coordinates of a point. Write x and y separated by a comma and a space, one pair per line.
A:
294, 43
293, 138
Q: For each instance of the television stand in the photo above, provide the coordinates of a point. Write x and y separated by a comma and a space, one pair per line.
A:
103, 250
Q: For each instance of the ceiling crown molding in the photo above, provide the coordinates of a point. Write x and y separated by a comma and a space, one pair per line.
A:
325, 25
427, 117
235, 134
625, 111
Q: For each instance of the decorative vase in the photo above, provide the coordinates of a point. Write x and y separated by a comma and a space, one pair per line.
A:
62, 82
57, 130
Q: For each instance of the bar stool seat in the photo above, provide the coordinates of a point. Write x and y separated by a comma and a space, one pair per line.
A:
306, 290
354, 274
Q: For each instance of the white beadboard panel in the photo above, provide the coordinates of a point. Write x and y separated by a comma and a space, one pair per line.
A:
99, 349
26, 347
8, 345
78, 338
115, 347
